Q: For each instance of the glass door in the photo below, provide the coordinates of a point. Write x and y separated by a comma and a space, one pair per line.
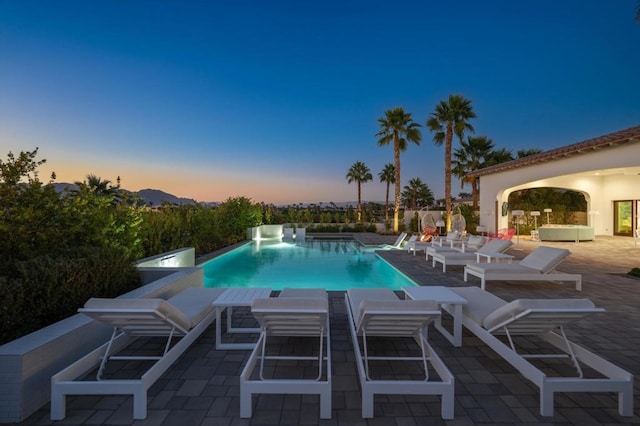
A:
623, 218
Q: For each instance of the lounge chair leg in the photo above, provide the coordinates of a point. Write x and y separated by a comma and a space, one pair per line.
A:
546, 402
325, 405
625, 401
246, 403
447, 405
58, 404
367, 403
140, 405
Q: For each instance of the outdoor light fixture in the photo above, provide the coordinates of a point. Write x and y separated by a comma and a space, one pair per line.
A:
535, 215
517, 214
547, 211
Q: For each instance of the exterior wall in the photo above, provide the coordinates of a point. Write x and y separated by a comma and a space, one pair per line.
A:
600, 190
27, 363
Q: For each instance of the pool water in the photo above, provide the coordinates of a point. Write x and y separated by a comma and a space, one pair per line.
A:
330, 264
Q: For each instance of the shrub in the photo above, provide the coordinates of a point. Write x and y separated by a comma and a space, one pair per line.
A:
47, 289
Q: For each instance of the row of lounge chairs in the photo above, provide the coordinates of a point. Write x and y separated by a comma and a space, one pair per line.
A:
304, 314
476, 252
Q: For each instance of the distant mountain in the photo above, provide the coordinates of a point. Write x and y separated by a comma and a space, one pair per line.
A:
151, 197
155, 197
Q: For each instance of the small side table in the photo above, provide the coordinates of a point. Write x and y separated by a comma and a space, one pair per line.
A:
443, 296
236, 296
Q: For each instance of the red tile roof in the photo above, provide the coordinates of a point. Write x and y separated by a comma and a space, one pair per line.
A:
622, 137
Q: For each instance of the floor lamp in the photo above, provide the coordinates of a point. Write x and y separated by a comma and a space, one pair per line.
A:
535, 215
547, 211
517, 214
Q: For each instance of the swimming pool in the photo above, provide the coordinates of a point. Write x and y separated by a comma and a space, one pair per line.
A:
330, 264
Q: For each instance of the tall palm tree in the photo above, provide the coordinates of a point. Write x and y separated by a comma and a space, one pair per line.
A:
387, 175
359, 173
398, 127
416, 193
471, 156
450, 117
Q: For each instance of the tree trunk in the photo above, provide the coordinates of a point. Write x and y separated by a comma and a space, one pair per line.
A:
359, 204
396, 207
447, 173
386, 206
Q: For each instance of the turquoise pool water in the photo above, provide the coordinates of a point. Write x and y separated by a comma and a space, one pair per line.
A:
333, 265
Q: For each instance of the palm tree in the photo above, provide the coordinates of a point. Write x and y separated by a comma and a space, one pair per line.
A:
387, 175
398, 127
97, 185
471, 156
451, 116
499, 156
521, 153
359, 173
416, 193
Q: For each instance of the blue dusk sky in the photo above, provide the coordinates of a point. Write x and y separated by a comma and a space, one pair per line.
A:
275, 100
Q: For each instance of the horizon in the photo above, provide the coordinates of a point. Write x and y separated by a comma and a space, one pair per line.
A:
275, 102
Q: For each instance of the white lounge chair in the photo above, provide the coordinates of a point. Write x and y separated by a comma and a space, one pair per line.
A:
449, 240
379, 312
397, 244
448, 258
488, 316
539, 265
470, 245
295, 313
185, 315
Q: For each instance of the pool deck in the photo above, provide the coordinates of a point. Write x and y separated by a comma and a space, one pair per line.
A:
202, 387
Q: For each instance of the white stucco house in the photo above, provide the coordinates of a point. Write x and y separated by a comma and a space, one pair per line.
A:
606, 169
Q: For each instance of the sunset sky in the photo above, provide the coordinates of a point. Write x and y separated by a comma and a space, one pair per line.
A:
275, 100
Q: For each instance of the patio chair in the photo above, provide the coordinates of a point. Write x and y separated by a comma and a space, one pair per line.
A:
471, 244
185, 315
452, 238
301, 235
397, 244
379, 312
503, 234
300, 313
448, 258
487, 316
539, 265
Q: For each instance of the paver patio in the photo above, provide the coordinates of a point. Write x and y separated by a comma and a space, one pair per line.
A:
203, 387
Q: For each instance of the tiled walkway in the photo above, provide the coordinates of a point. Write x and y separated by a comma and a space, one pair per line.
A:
202, 387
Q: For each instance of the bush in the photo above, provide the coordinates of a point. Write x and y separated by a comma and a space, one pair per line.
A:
47, 289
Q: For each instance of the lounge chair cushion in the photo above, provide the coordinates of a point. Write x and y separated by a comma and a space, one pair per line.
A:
475, 241
544, 258
502, 268
518, 306
292, 304
495, 246
196, 303
480, 303
306, 293
398, 306
128, 305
